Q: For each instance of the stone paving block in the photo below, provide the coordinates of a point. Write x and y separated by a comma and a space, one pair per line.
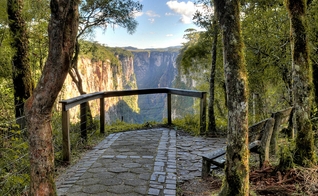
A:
153, 191
120, 189
132, 165
111, 181
153, 177
118, 169
144, 176
108, 156
136, 182
147, 157
121, 156
87, 182
171, 186
161, 178
169, 191
126, 175
143, 190
156, 186
134, 157
93, 189
75, 189
169, 181
158, 163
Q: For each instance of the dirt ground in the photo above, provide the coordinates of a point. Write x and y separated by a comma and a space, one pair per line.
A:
266, 181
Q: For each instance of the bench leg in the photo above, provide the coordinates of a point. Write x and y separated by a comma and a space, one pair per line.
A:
206, 166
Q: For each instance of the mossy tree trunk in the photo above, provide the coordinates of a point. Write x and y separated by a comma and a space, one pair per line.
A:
21, 71
62, 32
236, 166
302, 83
212, 124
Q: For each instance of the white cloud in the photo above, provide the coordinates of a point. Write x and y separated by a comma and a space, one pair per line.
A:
169, 14
152, 20
152, 14
169, 35
185, 9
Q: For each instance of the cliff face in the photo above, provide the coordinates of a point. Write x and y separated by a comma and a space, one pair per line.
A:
155, 69
146, 69
100, 76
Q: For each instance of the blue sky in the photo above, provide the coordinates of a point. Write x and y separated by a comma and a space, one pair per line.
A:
161, 24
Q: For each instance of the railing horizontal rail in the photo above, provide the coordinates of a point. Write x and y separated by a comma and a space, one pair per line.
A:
82, 100
69, 103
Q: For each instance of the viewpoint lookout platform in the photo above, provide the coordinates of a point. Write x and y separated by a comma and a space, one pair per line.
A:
143, 162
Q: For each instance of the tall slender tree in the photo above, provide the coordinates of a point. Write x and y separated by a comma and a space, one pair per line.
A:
302, 83
21, 71
236, 166
62, 32
211, 114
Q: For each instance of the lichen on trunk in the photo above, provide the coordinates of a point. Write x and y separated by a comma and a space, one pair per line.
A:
236, 166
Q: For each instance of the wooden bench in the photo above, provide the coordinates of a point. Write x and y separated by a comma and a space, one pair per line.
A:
282, 118
260, 135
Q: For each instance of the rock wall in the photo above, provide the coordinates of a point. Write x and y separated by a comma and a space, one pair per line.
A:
146, 69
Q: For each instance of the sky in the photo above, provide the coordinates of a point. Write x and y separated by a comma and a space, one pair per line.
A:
161, 24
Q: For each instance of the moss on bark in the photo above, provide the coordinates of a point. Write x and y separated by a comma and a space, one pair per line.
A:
236, 167
302, 83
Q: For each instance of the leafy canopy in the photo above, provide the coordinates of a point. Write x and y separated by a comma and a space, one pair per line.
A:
104, 13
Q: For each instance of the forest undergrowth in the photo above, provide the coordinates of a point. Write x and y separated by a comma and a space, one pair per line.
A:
267, 181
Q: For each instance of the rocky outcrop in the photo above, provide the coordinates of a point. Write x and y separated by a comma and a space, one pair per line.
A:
143, 69
155, 69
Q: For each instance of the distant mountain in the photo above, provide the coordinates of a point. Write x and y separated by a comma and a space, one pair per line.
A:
170, 49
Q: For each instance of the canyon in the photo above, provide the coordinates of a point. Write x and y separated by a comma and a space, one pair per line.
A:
136, 69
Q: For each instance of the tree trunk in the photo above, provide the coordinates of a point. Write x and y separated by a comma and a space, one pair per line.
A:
302, 83
21, 71
236, 166
212, 125
62, 32
77, 79
315, 73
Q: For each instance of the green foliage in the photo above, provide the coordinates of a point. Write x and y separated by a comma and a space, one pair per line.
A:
6, 100
194, 61
132, 102
286, 160
190, 124
6, 51
97, 52
120, 52
14, 162
120, 126
266, 33
78, 146
105, 13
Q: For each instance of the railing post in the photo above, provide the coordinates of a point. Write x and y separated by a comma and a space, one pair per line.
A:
169, 108
203, 114
66, 150
83, 121
102, 114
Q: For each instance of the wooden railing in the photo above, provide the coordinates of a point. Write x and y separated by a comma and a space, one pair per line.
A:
83, 100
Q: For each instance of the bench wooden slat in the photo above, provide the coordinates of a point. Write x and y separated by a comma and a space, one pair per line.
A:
281, 117
217, 158
215, 154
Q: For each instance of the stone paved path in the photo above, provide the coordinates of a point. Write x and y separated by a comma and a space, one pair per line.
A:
144, 162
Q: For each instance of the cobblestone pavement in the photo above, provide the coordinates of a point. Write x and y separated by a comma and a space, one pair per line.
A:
144, 162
